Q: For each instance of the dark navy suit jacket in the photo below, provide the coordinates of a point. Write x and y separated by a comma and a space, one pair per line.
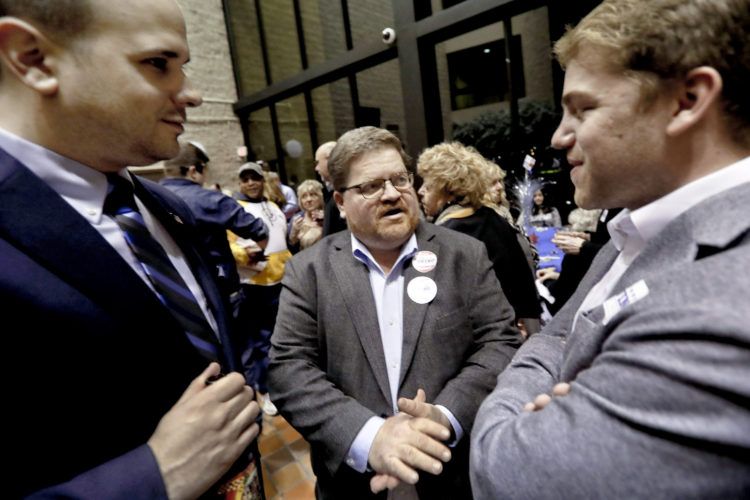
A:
92, 360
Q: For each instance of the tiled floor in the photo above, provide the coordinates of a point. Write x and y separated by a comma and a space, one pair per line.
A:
285, 459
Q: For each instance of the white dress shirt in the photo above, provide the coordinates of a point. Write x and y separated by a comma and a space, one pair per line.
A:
630, 231
85, 189
388, 291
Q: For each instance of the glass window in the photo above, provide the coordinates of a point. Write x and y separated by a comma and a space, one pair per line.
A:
323, 25
381, 98
450, 3
282, 44
261, 136
368, 18
334, 114
294, 131
248, 58
478, 75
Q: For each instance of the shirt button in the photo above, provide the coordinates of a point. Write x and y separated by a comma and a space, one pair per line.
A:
350, 462
93, 212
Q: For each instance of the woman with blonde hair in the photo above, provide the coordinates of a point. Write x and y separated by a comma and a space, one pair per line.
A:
306, 228
272, 188
497, 199
455, 194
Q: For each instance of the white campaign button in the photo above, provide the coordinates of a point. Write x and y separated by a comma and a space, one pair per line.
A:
421, 290
424, 261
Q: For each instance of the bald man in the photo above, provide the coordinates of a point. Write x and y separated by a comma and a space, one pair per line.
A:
116, 390
333, 220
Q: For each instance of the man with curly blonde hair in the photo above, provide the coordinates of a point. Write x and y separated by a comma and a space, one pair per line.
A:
648, 363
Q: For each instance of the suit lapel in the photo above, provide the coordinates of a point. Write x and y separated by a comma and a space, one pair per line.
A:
353, 280
176, 228
707, 228
414, 314
696, 233
37, 220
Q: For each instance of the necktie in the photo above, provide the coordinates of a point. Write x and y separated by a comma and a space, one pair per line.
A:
171, 289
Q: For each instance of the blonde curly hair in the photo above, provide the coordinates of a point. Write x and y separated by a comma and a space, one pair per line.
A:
457, 170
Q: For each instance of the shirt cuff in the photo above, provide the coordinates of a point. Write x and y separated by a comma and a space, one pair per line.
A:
457, 429
359, 451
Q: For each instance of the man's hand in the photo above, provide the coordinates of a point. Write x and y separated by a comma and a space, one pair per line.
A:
296, 227
416, 408
570, 242
202, 435
547, 273
405, 443
542, 400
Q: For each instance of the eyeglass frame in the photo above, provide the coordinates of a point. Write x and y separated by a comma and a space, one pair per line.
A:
381, 189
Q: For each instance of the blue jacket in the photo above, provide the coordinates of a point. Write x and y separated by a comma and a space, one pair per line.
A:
97, 360
216, 212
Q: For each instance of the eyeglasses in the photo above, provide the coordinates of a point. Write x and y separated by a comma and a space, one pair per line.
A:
375, 187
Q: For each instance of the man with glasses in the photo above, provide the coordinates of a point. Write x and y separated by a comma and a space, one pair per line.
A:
393, 308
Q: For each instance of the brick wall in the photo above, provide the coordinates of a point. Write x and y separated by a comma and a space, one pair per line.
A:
213, 124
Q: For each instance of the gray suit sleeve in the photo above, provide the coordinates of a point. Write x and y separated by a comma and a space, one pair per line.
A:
316, 407
494, 343
664, 401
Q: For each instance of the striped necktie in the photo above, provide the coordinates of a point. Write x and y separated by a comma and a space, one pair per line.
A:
171, 289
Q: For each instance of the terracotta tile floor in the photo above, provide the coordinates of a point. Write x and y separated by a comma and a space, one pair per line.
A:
285, 459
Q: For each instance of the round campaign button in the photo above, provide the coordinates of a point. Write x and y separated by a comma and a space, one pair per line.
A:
424, 261
421, 290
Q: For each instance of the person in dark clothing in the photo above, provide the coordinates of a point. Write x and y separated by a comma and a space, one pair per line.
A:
453, 194
214, 211
332, 220
575, 263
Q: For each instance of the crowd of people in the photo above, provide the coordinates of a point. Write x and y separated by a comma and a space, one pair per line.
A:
389, 310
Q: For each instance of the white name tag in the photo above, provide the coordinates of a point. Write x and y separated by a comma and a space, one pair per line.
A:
631, 295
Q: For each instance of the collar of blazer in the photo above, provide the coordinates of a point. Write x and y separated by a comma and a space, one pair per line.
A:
352, 279
37, 221
712, 226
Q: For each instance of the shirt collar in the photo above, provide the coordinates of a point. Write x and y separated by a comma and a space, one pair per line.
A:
640, 225
83, 187
361, 253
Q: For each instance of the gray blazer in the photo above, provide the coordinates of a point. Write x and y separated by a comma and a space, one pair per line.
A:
660, 399
327, 371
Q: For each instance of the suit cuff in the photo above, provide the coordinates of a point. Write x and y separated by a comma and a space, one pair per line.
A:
135, 474
457, 429
359, 451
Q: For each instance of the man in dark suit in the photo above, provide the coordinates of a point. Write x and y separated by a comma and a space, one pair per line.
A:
215, 212
111, 393
369, 317
649, 361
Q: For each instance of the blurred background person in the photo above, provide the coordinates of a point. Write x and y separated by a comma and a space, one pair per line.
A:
453, 194
497, 199
580, 245
333, 221
542, 215
289, 204
272, 189
214, 212
306, 228
260, 276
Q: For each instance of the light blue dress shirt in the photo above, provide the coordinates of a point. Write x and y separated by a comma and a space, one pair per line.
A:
388, 292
